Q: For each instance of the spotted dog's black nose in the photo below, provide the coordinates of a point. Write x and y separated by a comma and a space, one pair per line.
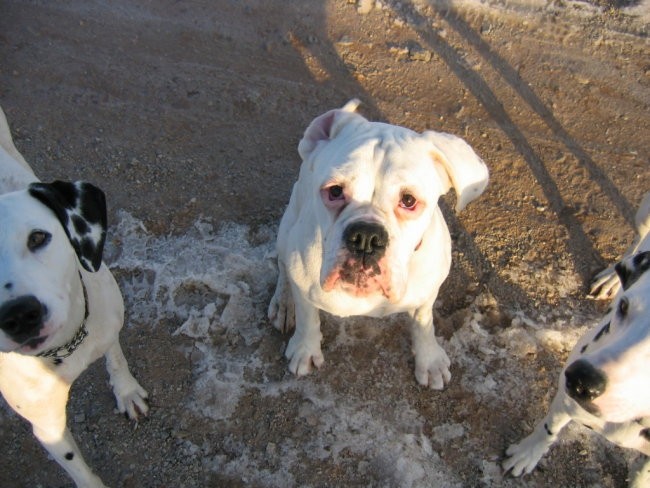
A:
365, 238
22, 318
584, 383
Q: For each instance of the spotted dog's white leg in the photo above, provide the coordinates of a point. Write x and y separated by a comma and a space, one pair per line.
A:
50, 429
431, 361
64, 450
524, 456
130, 396
281, 311
303, 350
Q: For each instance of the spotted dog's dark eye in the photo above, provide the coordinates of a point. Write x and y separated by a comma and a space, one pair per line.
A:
407, 201
335, 192
623, 307
38, 239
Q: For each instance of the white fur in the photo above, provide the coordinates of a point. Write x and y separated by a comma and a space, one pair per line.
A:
33, 386
376, 164
622, 411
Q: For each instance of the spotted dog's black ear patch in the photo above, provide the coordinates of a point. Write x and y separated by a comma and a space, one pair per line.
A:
81, 209
631, 269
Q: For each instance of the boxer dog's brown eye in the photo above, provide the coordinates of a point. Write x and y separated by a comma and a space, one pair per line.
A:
38, 239
336, 192
407, 201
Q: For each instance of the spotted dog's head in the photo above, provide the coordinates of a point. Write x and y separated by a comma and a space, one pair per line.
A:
47, 231
611, 379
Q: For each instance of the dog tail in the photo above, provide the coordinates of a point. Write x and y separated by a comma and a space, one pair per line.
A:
352, 105
8, 145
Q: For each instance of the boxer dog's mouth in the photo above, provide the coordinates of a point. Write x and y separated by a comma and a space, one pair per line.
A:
362, 268
361, 276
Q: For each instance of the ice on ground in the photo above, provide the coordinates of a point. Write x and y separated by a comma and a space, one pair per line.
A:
211, 287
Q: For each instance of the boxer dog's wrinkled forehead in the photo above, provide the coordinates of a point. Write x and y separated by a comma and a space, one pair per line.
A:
377, 153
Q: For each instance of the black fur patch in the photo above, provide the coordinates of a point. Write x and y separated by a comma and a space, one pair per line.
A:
645, 433
78, 206
583, 348
603, 331
69, 456
80, 225
548, 431
9, 286
630, 270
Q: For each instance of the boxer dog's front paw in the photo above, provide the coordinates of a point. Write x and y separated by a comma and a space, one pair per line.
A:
303, 354
432, 367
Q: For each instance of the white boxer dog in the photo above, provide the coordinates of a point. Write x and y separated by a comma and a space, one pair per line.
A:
606, 382
363, 233
60, 307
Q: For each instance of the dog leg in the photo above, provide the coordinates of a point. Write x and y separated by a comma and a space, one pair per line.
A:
431, 361
130, 396
303, 349
50, 429
606, 283
524, 456
281, 309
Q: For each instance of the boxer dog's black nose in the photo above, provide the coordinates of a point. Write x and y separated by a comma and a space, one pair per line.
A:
366, 238
22, 318
584, 383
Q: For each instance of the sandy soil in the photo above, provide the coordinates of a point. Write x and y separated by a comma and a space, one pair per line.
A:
188, 115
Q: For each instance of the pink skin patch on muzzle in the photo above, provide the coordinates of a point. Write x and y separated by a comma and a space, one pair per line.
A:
358, 278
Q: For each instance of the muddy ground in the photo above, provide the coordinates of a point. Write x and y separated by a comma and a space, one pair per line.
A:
187, 112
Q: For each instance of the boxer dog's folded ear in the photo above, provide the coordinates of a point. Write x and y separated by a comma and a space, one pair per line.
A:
325, 127
459, 165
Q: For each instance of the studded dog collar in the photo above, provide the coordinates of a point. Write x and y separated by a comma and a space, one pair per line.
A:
66, 350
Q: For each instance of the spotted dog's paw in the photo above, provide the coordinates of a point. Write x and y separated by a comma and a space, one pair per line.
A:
131, 398
605, 284
524, 456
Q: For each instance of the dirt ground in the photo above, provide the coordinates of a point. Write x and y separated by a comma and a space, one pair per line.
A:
187, 112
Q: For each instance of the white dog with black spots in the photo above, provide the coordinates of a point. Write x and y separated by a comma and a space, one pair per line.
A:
60, 307
605, 384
